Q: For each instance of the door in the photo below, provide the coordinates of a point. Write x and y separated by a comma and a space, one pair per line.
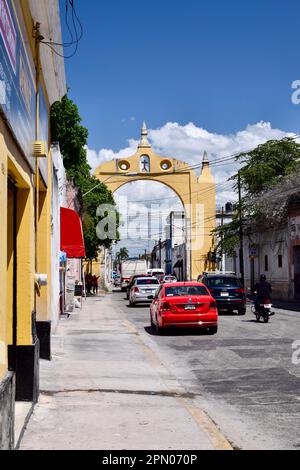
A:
12, 271
297, 271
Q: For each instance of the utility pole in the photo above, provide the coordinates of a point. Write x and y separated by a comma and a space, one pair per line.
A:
241, 232
222, 252
159, 252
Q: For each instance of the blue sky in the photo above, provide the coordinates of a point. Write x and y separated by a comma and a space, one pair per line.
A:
205, 75
221, 65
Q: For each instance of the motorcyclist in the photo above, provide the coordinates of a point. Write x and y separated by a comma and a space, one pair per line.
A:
263, 291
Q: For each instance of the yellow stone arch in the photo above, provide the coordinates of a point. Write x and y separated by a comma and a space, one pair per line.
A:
197, 194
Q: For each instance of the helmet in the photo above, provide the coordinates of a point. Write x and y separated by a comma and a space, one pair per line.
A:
263, 277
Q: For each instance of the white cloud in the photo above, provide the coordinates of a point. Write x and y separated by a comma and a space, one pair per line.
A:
188, 142
95, 158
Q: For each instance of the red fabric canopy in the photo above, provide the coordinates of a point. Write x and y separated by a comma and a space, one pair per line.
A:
71, 235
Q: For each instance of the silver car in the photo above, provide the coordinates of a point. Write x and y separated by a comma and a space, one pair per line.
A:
168, 279
143, 290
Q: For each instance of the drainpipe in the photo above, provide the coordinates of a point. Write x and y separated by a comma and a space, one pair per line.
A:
38, 37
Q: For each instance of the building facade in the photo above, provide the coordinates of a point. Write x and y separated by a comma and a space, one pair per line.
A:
31, 79
275, 252
171, 254
224, 262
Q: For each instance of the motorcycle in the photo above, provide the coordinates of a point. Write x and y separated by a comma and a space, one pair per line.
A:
264, 311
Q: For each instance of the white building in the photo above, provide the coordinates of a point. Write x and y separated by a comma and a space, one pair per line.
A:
170, 254
225, 262
275, 252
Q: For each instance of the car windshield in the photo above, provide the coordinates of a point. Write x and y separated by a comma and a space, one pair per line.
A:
219, 281
178, 291
141, 282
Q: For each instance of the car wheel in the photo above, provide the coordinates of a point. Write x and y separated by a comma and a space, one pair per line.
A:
242, 311
212, 330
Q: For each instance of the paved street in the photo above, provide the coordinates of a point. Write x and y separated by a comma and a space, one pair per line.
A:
114, 384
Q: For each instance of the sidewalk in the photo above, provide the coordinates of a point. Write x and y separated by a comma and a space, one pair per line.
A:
102, 390
293, 305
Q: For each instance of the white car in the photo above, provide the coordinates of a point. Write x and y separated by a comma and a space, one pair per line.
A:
169, 278
143, 290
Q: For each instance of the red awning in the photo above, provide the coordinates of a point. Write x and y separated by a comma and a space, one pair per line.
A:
71, 235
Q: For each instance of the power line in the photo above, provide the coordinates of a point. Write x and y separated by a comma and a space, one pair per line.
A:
204, 191
78, 35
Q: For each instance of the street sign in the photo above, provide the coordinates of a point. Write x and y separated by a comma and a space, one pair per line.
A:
253, 250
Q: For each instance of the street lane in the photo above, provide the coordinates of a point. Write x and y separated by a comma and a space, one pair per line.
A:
114, 384
105, 389
243, 377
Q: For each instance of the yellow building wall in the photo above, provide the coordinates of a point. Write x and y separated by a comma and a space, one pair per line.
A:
25, 265
3, 257
43, 308
13, 165
10, 265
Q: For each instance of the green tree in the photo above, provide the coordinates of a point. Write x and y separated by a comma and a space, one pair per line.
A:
122, 254
66, 129
268, 165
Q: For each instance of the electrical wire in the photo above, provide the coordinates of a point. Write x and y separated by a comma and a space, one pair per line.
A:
218, 162
201, 192
229, 157
78, 35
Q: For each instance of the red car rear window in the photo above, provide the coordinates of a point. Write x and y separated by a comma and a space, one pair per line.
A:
179, 291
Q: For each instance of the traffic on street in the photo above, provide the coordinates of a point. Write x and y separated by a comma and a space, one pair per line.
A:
127, 387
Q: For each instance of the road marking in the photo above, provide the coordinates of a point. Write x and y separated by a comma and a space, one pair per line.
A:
205, 423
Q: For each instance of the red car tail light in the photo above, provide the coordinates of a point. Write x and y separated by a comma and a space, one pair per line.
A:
136, 289
166, 306
213, 306
240, 291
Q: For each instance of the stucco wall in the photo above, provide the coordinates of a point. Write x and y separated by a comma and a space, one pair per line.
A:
271, 244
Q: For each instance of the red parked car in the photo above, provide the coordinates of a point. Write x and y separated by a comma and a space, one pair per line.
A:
184, 304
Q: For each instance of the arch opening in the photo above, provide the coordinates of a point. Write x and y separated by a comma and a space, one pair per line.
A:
145, 220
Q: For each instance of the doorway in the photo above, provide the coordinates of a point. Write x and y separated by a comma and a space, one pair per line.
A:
12, 272
297, 271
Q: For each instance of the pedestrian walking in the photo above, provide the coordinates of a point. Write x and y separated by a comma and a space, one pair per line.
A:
89, 282
95, 284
